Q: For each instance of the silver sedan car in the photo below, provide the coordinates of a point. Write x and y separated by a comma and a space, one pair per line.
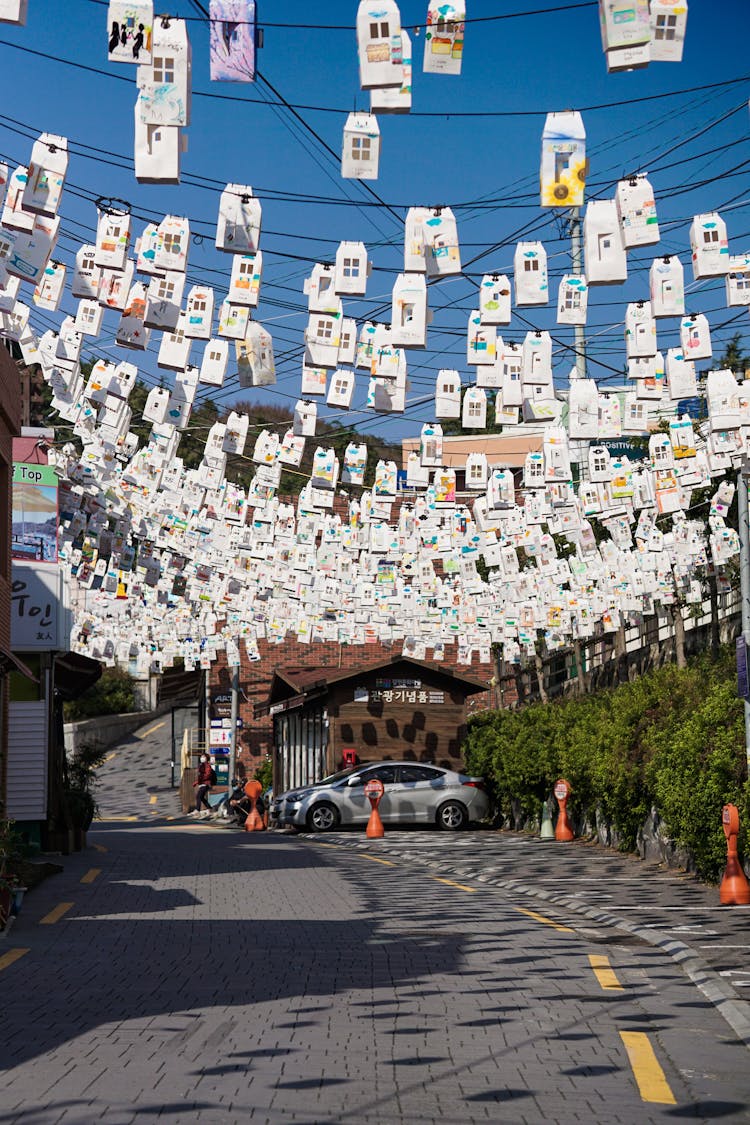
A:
413, 794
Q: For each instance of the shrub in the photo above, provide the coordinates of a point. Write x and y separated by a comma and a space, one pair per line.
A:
113, 694
673, 739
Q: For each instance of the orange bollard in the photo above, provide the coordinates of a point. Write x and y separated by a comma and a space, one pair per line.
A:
374, 790
734, 889
563, 829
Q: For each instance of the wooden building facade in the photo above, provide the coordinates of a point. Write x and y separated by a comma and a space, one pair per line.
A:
396, 709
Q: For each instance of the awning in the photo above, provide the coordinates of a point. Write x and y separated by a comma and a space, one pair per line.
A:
75, 674
11, 663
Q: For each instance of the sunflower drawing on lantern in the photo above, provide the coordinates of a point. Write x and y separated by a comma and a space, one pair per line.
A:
564, 165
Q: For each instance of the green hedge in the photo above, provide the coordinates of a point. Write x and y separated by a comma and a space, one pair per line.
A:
112, 694
673, 740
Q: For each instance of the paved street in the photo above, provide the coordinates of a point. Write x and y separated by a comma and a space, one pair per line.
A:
186, 972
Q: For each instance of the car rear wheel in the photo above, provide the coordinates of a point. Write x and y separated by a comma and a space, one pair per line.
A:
323, 817
452, 816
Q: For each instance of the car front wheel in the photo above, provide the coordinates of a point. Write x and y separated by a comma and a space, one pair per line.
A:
323, 818
452, 816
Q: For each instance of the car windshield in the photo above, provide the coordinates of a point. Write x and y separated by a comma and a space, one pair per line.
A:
338, 776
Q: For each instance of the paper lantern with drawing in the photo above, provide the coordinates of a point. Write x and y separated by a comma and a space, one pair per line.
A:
379, 44
709, 246
530, 274
157, 151
238, 227
214, 363
360, 152
165, 83
13, 11
494, 299
46, 176
395, 99
605, 259
666, 284
738, 280
636, 211
668, 27
444, 38
572, 299
232, 40
130, 28
352, 269
564, 165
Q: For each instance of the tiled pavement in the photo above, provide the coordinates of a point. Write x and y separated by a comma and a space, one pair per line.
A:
210, 975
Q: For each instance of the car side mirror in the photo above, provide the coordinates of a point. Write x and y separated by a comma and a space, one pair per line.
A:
354, 781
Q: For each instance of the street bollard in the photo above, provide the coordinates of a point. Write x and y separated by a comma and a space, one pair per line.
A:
734, 889
374, 790
563, 829
547, 830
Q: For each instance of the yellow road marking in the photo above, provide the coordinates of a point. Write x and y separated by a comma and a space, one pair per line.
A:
547, 921
377, 859
91, 874
11, 956
450, 883
99, 848
604, 973
105, 760
112, 819
56, 914
153, 800
327, 845
652, 1083
151, 730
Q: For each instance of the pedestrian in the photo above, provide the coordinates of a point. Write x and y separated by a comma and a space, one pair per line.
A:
202, 785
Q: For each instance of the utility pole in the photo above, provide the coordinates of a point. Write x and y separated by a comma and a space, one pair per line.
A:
576, 247
744, 532
233, 733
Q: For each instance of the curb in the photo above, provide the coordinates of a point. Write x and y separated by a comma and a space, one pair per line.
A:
715, 989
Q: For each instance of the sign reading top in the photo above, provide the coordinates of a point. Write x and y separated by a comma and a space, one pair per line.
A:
35, 519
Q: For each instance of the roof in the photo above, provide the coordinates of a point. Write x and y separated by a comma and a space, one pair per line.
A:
505, 450
297, 686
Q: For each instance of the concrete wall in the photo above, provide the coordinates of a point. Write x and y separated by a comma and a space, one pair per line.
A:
107, 730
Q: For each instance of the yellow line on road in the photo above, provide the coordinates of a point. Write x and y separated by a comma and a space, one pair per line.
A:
11, 956
450, 883
604, 973
652, 1083
547, 921
377, 859
91, 874
105, 760
327, 845
151, 730
99, 848
111, 819
56, 914
152, 800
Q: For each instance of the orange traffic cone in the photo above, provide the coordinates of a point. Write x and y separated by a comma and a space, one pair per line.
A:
254, 822
375, 825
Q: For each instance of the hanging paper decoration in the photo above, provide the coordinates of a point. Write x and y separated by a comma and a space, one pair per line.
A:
46, 175
572, 299
352, 269
13, 11
360, 153
636, 211
379, 44
666, 285
668, 28
564, 165
709, 246
530, 274
738, 280
238, 228
395, 99
605, 259
130, 31
232, 40
409, 311
440, 234
626, 33
444, 38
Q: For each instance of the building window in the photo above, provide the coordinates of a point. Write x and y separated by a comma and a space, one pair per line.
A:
710, 236
325, 330
172, 243
165, 290
572, 299
379, 30
531, 265
351, 267
666, 27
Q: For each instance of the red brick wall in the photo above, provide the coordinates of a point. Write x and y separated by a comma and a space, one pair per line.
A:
256, 736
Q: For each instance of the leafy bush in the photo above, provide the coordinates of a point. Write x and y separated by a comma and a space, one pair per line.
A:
112, 694
673, 740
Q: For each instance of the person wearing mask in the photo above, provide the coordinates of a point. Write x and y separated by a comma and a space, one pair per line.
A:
202, 785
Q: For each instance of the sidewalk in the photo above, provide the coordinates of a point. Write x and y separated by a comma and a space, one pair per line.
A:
646, 901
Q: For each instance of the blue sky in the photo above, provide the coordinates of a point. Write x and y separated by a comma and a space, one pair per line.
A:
486, 167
